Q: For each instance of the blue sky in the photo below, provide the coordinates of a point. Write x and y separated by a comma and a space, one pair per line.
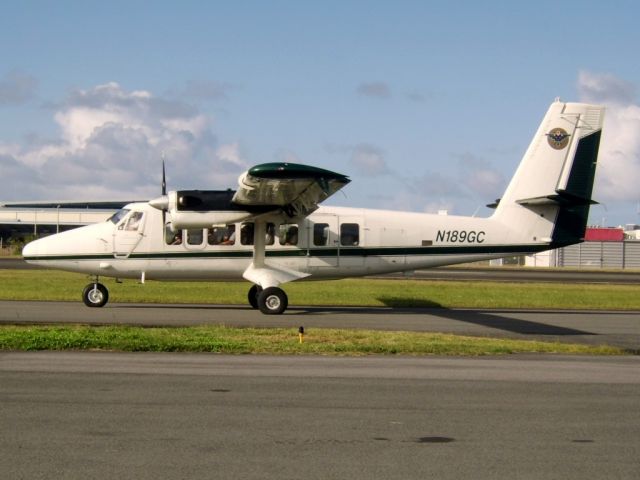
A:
426, 105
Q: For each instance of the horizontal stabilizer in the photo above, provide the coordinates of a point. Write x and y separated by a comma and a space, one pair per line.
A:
561, 199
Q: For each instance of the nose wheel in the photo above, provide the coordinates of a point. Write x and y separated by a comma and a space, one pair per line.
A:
95, 295
270, 301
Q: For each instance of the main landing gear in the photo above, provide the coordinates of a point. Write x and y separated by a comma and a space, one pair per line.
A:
95, 295
270, 301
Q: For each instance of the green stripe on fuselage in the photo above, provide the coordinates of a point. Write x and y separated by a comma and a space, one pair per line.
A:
318, 252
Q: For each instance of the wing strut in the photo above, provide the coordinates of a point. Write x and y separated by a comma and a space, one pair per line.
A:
259, 272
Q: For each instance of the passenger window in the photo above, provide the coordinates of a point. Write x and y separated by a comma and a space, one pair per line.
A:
321, 234
349, 234
247, 233
270, 236
172, 238
134, 221
288, 234
222, 235
194, 237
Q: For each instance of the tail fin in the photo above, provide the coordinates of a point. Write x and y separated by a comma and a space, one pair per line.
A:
549, 197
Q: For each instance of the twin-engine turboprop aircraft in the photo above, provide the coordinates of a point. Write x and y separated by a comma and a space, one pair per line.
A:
271, 230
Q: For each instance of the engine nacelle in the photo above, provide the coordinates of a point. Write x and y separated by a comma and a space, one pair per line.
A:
202, 208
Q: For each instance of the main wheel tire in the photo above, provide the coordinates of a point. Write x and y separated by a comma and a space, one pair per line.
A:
253, 296
272, 301
95, 295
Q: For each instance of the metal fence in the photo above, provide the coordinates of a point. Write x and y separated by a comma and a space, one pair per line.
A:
600, 255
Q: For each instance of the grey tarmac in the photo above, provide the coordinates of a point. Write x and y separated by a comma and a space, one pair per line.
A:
620, 329
78, 415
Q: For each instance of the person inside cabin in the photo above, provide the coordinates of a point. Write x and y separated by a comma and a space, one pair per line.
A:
212, 236
134, 221
270, 236
246, 233
177, 238
229, 236
288, 234
292, 235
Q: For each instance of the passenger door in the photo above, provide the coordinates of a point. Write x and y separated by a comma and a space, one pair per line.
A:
350, 241
322, 241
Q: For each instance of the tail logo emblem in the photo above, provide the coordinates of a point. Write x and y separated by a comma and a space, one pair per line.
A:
558, 138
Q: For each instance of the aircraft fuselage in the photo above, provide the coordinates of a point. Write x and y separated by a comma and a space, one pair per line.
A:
333, 242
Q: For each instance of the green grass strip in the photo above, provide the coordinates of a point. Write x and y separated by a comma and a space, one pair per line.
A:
53, 285
226, 340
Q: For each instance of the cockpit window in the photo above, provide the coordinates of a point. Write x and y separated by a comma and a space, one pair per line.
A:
134, 221
119, 215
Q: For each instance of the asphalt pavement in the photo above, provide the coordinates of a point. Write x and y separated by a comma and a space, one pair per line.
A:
620, 329
96, 415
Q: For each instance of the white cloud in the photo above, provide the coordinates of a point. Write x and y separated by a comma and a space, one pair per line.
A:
416, 97
479, 176
618, 175
369, 160
287, 156
436, 186
17, 88
605, 88
374, 89
231, 153
110, 144
203, 90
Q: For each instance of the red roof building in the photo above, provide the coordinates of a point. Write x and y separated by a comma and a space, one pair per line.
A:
599, 234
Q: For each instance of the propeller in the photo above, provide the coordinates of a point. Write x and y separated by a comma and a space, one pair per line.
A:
162, 202
164, 178
164, 192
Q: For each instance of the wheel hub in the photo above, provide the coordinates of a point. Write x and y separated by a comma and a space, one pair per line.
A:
273, 302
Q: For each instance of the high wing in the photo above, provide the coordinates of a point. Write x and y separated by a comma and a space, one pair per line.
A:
286, 188
297, 189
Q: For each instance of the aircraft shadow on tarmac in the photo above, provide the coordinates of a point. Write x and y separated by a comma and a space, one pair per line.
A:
500, 321
514, 325
495, 320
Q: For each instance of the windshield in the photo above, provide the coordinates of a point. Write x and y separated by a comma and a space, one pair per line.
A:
119, 215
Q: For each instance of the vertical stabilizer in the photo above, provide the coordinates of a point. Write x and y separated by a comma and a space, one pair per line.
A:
549, 197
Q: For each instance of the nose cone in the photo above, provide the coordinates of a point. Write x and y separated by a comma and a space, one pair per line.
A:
83, 241
31, 250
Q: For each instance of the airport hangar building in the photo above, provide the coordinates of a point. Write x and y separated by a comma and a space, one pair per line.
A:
20, 222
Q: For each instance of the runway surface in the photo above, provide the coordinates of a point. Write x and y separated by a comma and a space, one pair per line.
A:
147, 416
597, 328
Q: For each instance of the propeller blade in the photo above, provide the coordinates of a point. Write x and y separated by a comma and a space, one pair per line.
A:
164, 192
164, 178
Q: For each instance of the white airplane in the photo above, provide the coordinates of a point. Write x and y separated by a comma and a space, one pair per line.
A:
272, 230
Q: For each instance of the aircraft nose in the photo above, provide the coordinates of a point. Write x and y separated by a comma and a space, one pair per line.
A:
30, 250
